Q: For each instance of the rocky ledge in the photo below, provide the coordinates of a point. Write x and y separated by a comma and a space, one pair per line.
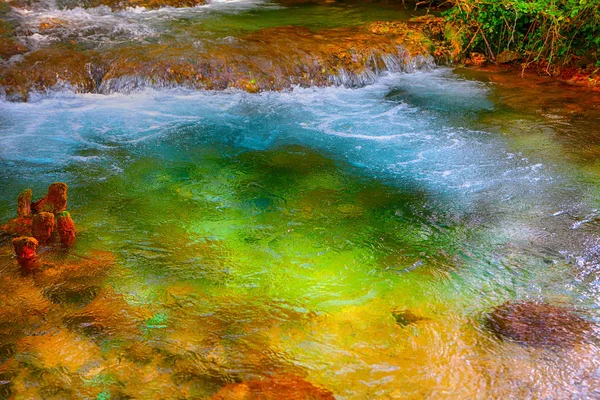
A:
268, 59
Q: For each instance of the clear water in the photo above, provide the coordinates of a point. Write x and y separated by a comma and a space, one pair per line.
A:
277, 233
280, 231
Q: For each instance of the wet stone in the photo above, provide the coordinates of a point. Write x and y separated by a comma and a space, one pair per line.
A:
55, 201
66, 229
43, 226
17, 227
538, 324
25, 247
24, 203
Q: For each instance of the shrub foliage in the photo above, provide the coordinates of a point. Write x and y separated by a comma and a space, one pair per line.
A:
547, 31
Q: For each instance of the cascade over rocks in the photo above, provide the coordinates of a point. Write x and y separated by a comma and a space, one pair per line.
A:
268, 59
9, 46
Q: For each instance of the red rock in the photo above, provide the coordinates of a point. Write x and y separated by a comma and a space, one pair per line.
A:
24, 203
25, 247
42, 226
288, 388
66, 228
55, 201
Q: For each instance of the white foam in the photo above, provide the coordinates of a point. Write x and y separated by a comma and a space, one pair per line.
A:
101, 25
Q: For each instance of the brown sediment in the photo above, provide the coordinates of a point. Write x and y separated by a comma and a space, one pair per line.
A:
538, 324
268, 59
10, 47
66, 229
23, 307
48, 24
108, 315
42, 226
60, 349
587, 77
76, 281
119, 4
18, 226
286, 387
123, 4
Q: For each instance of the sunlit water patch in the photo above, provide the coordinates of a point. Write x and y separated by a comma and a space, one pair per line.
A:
289, 233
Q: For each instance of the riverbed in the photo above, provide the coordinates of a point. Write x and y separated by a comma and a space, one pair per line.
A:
352, 236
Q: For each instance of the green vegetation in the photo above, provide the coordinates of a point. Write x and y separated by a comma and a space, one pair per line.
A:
546, 31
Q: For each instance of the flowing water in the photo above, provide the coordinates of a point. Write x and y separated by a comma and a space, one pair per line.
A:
287, 233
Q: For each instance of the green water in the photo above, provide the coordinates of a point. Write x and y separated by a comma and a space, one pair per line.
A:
312, 16
354, 238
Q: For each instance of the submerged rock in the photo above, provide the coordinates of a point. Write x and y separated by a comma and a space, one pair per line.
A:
109, 314
538, 324
76, 281
289, 388
23, 307
406, 317
42, 226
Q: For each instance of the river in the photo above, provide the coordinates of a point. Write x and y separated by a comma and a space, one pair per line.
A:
292, 232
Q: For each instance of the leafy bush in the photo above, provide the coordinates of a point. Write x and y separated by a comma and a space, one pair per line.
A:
549, 31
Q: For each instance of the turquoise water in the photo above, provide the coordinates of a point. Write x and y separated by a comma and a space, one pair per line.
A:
278, 233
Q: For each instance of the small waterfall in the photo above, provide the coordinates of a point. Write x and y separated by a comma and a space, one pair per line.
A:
103, 51
400, 62
375, 66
